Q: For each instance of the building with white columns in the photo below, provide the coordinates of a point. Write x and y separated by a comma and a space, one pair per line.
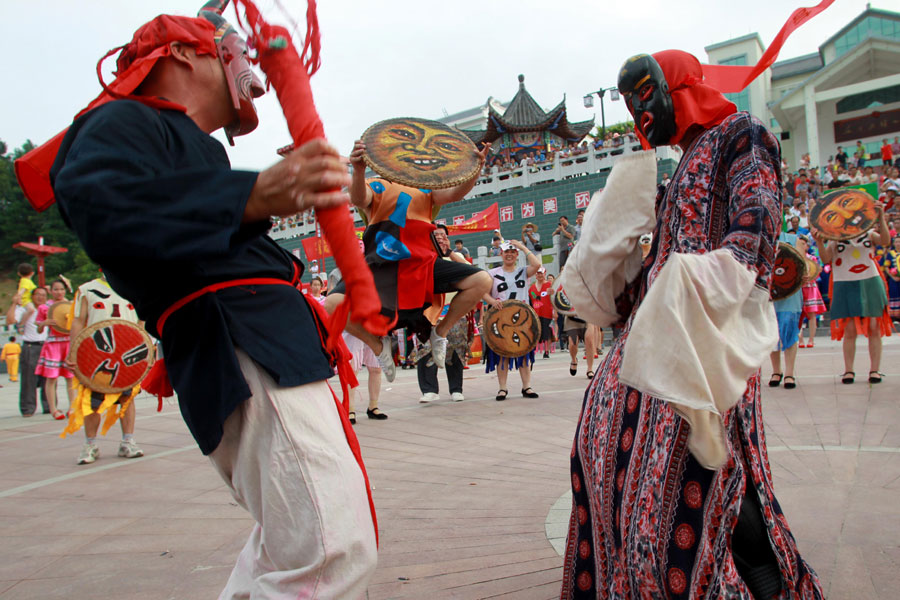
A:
847, 91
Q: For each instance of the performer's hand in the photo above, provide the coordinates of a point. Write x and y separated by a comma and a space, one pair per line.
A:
497, 303
309, 177
70, 362
482, 154
356, 155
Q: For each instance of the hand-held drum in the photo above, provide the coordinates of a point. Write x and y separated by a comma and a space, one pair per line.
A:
420, 153
58, 314
112, 356
512, 330
561, 302
788, 273
843, 214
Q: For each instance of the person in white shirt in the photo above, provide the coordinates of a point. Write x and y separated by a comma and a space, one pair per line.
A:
24, 318
511, 283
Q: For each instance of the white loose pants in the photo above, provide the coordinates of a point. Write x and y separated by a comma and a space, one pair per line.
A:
286, 459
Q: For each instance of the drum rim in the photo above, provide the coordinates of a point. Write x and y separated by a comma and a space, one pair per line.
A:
89, 331
401, 178
537, 327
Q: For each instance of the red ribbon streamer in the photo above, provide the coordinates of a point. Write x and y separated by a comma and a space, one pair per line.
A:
732, 78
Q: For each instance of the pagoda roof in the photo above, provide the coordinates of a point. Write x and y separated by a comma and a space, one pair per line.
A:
524, 114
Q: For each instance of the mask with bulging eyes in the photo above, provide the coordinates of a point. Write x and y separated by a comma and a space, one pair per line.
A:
646, 92
513, 330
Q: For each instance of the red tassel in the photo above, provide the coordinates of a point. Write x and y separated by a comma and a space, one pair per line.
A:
157, 383
289, 75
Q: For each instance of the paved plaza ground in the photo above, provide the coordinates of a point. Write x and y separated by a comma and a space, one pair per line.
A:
471, 496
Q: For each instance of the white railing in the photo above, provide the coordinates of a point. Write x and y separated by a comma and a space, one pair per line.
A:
498, 180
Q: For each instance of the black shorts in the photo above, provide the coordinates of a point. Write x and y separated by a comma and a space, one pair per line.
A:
446, 275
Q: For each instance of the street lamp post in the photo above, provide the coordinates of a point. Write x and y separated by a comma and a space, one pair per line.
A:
589, 103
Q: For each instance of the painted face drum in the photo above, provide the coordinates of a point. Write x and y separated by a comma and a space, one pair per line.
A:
787, 276
112, 356
843, 214
512, 330
646, 92
58, 314
420, 153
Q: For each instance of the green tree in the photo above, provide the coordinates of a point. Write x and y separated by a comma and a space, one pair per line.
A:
619, 128
19, 222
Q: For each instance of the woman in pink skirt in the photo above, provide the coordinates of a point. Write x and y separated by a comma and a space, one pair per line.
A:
51, 363
813, 305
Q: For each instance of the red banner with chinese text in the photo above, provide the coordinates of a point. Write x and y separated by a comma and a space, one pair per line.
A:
316, 248
485, 220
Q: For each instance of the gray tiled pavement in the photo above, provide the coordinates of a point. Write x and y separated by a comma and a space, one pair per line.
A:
471, 496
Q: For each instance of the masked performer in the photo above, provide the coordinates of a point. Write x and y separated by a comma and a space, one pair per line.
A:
510, 282
182, 236
672, 491
95, 301
400, 251
859, 301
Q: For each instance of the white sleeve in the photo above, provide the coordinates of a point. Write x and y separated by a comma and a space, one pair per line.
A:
608, 255
701, 331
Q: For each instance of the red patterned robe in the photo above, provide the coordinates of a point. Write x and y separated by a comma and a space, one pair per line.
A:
647, 520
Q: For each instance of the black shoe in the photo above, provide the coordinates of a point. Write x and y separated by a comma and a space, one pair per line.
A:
546, 355
375, 413
501, 395
352, 417
530, 393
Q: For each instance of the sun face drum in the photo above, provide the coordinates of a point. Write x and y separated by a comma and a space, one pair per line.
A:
512, 330
787, 275
420, 153
843, 214
112, 356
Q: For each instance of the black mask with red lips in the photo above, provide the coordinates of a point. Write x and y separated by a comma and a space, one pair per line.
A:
646, 92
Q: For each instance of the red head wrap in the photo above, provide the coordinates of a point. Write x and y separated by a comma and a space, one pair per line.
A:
695, 102
149, 44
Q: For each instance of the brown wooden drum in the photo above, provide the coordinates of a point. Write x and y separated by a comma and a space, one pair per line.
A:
843, 214
420, 153
561, 302
112, 356
787, 276
512, 330
58, 313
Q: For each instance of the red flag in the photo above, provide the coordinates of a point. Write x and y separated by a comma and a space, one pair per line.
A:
733, 78
485, 220
317, 248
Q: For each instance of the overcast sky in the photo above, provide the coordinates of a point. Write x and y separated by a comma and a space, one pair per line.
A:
392, 58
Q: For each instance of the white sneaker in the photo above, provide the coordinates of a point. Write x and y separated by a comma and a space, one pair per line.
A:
438, 348
386, 359
129, 450
89, 453
457, 396
429, 397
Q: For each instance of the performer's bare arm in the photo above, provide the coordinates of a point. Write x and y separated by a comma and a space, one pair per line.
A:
533, 263
882, 236
457, 257
310, 177
361, 195
457, 193
826, 252
11, 313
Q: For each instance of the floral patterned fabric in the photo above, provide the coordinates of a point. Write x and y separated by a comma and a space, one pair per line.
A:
647, 520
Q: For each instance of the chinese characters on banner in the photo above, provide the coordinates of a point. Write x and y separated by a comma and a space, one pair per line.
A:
459, 219
582, 199
506, 214
528, 210
549, 205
